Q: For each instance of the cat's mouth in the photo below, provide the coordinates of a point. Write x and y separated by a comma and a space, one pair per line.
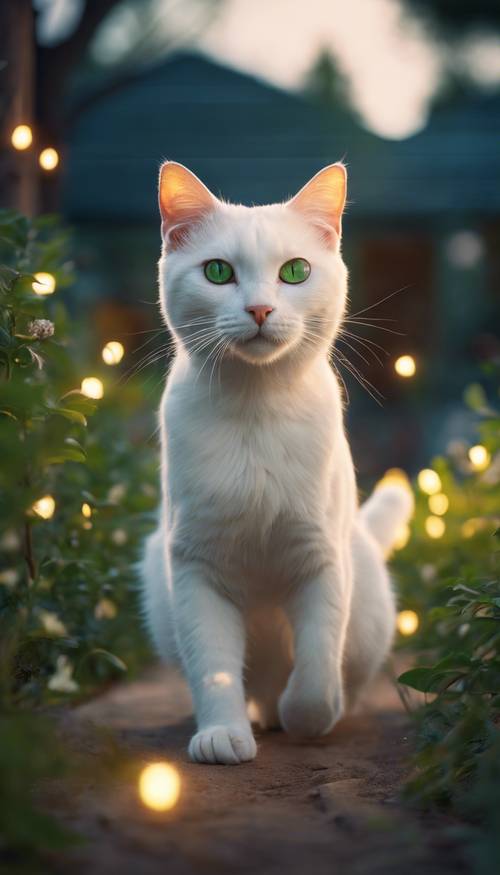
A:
260, 336
259, 347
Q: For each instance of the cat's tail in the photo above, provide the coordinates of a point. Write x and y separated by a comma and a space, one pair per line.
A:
388, 510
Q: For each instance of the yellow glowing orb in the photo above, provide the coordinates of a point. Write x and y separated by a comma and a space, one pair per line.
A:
479, 457
21, 137
472, 527
48, 159
405, 366
407, 622
439, 503
92, 387
402, 537
44, 507
86, 510
395, 477
435, 526
159, 786
429, 481
113, 352
45, 284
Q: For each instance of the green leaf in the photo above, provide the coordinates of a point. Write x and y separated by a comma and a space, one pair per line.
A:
75, 400
71, 451
417, 678
72, 415
475, 397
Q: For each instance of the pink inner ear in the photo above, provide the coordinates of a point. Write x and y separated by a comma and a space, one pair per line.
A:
321, 201
184, 201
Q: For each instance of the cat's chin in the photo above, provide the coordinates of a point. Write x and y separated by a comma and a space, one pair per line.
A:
260, 350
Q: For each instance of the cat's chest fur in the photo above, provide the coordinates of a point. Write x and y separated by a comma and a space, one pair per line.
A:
236, 465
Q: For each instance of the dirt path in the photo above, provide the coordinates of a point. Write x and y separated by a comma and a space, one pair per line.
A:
328, 807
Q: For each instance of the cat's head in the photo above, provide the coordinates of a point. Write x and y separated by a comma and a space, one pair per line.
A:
255, 283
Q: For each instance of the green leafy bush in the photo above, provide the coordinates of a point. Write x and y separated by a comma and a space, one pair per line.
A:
75, 492
453, 583
77, 495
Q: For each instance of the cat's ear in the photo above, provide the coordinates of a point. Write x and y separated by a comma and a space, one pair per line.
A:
322, 201
184, 201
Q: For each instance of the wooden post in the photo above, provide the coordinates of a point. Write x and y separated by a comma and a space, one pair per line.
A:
18, 169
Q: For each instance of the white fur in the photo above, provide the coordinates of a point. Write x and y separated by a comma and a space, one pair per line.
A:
263, 580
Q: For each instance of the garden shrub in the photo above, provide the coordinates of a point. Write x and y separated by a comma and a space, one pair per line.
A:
453, 583
77, 495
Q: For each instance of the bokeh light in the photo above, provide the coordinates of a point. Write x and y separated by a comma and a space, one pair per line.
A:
21, 137
479, 457
395, 477
92, 387
86, 510
45, 283
44, 507
113, 352
407, 622
429, 481
159, 786
402, 537
405, 366
439, 503
435, 526
48, 159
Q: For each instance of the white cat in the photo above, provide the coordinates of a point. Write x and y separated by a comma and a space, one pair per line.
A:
264, 581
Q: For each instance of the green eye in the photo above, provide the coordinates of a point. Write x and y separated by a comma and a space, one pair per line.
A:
218, 271
295, 271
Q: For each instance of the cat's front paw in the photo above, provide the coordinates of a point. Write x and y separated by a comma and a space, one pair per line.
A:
310, 713
225, 745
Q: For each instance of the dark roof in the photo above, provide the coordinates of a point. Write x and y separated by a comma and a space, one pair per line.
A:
255, 143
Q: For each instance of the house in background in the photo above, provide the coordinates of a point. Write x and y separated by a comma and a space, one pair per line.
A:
423, 216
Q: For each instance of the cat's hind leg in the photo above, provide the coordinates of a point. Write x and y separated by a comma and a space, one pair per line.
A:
370, 631
156, 599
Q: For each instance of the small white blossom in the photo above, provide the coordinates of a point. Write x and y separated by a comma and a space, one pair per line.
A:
62, 680
119, 537
40, 329
428, 572
117, 492
105, 609
9, 577
10, 541
52, 624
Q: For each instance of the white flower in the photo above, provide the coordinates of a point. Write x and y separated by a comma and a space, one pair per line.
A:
428, 572
40, 329
10, 540
52, 624
116, 493
62, 680
105, 609
119, 537
9, 577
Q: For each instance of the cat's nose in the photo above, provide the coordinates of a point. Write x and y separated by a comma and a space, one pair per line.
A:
260, 312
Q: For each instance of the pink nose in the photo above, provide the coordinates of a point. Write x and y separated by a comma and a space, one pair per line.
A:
260, 312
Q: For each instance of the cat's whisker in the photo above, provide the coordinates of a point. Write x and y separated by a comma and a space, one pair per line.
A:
382, 300
381, 328
205, 361
359, 377
365, 341
370, 318
144, 362
342, 339
218, 354
354, 337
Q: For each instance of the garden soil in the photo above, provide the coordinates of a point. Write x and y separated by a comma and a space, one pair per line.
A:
327, 807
